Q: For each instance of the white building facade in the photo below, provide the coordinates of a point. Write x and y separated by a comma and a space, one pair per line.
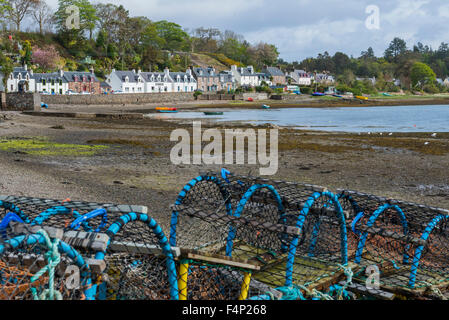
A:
301, 77
21, 80
246, 76
126, 81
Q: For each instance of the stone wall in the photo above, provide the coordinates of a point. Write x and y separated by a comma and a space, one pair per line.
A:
255, 96
20, 101
220, 97
114, 99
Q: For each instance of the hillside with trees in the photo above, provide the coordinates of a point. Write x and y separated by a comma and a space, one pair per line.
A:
416, 68
109, 37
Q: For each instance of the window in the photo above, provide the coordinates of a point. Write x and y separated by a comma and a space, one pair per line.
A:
152, 88
60, 82
60, 91
52, 82
44, 82
12, 87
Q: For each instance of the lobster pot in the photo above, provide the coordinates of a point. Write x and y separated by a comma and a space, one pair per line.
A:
194, 221
61, 214
257, 233
199, 280
405, 242
24, 256
292, 193
139, 262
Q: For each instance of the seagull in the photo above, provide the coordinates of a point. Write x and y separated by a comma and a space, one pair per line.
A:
390, 134
427, 143
369, 132
381, 134
434, 135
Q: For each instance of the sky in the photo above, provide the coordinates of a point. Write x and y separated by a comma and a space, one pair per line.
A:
304, 28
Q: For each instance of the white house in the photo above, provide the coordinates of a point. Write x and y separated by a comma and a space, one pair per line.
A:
21, 80
301, 77
156, 82
246, 76
324, 78
126, 81
54, 83
183, 81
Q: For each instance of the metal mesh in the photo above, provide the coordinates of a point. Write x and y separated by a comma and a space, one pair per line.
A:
60, 214
137, 264
407, 242
258, 221
20, 263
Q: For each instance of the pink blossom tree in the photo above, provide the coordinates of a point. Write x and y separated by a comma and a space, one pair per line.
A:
48, 58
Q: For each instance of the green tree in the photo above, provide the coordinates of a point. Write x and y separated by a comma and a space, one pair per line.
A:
6, 68
395, 49
87, 17
174, 37
421, 75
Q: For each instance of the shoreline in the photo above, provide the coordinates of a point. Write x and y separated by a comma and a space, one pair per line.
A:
303, 102
135, 166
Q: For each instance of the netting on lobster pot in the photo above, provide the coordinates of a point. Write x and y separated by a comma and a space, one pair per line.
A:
395, 239
139, 261
317, 255
290, 192
199, 215
220, 280
35, 267
66, 214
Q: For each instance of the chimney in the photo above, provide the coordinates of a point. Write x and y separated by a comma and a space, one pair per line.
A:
61, 73
189, 71
113, 70
31, 72
92, 70
25, 67
139, 71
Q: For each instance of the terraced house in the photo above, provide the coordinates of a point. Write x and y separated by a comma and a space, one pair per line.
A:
21, 80
126, 81
275, 75
157, 82
246, 77
54, 83
82, 82
208, 79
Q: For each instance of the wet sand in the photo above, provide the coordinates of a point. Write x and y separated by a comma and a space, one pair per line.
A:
135, 168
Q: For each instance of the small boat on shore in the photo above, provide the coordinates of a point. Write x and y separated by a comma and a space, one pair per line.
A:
361, 98
387, 94
213, 113
265, 106
166, 109
318, 94
337, 96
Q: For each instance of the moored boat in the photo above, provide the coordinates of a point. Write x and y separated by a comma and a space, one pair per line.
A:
213, 113
166, 109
